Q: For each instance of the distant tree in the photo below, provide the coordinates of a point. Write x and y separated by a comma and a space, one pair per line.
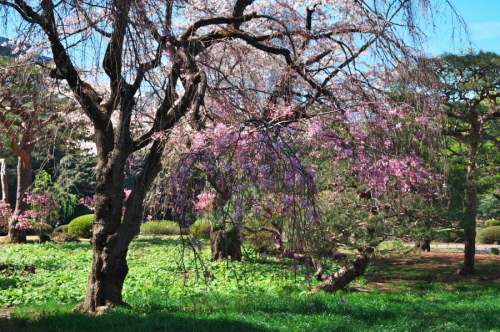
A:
30, 112
471, 95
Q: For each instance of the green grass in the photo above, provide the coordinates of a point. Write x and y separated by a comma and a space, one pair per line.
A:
259, 294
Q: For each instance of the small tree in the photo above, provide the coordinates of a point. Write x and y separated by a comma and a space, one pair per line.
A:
42, 214
44, 185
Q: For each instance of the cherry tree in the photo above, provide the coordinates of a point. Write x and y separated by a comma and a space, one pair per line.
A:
31, 111
176, 68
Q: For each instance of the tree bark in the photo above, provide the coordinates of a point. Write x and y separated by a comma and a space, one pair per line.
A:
470, 204
341, 278
111, 237
225, 243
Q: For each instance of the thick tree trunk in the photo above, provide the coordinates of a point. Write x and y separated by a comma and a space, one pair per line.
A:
107, 276
109, 269
111, 237
225, 243
341, 278
24, 182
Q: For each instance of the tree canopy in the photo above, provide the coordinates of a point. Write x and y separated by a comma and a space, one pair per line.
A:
471, 95
246, 79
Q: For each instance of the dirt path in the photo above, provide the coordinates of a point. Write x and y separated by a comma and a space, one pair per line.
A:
398, 272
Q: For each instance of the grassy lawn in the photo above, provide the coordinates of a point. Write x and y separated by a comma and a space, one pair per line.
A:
172, 289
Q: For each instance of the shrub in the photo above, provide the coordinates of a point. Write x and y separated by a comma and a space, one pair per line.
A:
480, 226
65, 237
494, 251
82, 226
61, 229
488, 235
492, 222
160, 227
39, 228
261, 240
201, 229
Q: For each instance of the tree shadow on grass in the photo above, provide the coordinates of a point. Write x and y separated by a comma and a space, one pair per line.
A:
123, 321
424, 315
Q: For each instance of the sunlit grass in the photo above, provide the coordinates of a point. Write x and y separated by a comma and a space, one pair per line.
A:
261, 293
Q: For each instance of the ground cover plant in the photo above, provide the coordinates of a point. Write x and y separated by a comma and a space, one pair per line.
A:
412, 292
160, 227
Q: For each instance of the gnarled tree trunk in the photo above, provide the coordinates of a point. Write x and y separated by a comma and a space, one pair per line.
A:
341, 278
111, 237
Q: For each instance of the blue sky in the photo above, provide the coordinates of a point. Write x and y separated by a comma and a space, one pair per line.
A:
481, 16
483, 20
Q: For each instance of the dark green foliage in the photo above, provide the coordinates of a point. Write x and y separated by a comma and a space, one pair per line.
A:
82, 226
451, 235
44, 238
494, 251
470, 82
160, 227
77, 173
45, 184
488, 235
489, 204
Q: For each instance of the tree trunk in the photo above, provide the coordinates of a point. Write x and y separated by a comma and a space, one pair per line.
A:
3, 180
225, 243
341, 278
108, 273
24, 182
423, 244
470, 206
111, 237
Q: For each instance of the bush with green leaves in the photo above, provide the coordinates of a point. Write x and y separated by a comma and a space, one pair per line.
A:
160, 227
61, 229
492, 222
494, 251
488, 235
201, 229
82, 226
38, 228
64, 237
259, 233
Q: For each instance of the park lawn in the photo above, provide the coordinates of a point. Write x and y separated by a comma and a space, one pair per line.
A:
172, 287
